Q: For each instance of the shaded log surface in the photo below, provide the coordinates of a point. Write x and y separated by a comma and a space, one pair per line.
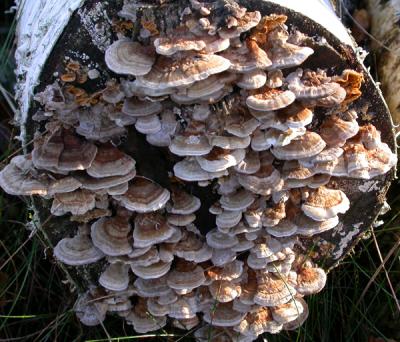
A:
367, 197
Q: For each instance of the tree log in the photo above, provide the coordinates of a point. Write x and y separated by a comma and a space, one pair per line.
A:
82, 31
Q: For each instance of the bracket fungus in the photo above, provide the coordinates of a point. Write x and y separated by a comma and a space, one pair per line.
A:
207, 155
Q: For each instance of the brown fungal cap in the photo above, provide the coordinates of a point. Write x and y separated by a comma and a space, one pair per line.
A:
63, 152
110, 235
150, 229
185, 277
167, 73
77, 203
184, 203
130, 58
144, 196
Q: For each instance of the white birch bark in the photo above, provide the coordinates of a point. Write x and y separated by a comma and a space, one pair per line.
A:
40, 23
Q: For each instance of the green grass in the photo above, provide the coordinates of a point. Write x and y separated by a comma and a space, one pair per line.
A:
36, 300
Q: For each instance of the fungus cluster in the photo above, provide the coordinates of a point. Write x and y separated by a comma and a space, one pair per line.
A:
225, 98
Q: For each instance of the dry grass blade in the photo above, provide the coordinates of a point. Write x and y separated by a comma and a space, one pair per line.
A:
382, 266
378, 270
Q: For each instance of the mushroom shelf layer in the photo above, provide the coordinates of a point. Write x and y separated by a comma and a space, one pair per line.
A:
227, 155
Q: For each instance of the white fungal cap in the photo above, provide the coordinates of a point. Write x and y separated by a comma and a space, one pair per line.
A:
110, 161
273, 290
256, 263
205, 88
141, 319
185, 307
239, 200
115, 277
150, 229
219, 159
76, 251
335, 131
243, 244
230, 271
152, 271
293, 325
240, 125
324, 203
229, 142
228, 219
192, 145
305, 146
185, 277
263, 140
308, 227
289, 55
265, 180
257, 322
310, 280
288, 312
221, 257
218, 240
283, 228
223, 315
138, 108
99, 184
168, 73
151, 288
242, 61
130, 58
185, 41
270, 99
186, 324
110, 235
144, 196
250, 164
149, 124
266, 247
162, 138
316, 90
252, 80
118, 189
156, 309
224, 291
189, 170
295, 116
